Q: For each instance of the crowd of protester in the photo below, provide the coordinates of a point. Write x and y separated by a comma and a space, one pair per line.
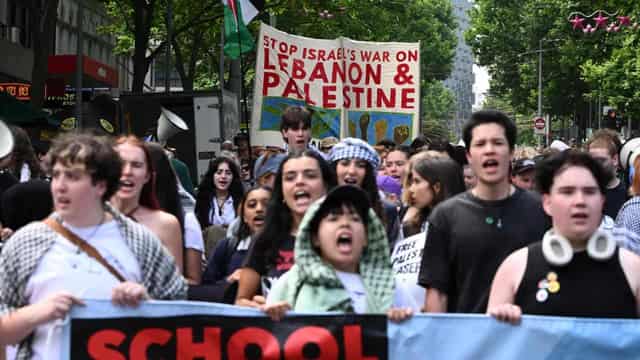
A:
484, 227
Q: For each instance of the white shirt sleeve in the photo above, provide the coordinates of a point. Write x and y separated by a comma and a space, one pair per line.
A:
192, 232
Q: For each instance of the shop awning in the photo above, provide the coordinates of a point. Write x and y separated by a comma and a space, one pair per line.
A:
94, 73
17, 112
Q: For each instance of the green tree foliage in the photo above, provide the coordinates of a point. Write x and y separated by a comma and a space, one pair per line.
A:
429, 21
505, 36
437, 106
197, 31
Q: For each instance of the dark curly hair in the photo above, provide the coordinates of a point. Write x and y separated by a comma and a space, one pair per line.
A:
207, 189
96, 153
548, 169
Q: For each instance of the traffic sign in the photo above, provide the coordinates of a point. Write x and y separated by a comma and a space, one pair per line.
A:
539, 124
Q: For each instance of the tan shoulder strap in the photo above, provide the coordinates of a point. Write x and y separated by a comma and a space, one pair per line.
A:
85, 246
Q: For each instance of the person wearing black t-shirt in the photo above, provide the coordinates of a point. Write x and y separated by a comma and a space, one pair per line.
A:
578, 269
472, 233
603, 146
302, 178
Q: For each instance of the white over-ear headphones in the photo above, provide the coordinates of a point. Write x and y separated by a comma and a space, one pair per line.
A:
557, 249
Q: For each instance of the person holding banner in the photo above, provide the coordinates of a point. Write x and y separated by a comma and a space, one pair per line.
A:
578, 269
223, 267
431, 181
471, 234
341, 262
85, 249
302, 179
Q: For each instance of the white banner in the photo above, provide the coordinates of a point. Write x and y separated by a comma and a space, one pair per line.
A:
367, 90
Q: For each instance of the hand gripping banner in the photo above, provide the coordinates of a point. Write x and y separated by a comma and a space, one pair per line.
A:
192, 330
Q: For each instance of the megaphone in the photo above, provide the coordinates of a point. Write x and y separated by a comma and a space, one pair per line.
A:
169, 124
629, 152
6, 140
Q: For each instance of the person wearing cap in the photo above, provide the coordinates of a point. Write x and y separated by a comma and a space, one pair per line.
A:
327, 143
523, 173
266, 168
355, 163
341, 262
227, 145
578, 269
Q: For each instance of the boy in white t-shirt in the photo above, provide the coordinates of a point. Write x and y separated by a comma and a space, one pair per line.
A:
45, 273
341, 262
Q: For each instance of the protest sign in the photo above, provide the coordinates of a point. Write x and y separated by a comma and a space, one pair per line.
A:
157, 329
406, 260
368, 90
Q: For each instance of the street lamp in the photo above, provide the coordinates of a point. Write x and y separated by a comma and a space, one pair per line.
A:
540, 51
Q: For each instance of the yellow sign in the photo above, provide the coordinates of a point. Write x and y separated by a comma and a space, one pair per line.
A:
68, 124
106, 125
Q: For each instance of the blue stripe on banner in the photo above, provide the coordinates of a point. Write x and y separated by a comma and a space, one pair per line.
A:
450, 336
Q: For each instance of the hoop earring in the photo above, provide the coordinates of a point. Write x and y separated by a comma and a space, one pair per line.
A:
556, 249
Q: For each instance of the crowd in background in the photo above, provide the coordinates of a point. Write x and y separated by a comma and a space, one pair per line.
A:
341, 226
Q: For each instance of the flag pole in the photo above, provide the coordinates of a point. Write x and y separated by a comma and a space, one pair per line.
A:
243, 96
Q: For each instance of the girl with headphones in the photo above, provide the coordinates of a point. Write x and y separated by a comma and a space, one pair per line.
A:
577, 269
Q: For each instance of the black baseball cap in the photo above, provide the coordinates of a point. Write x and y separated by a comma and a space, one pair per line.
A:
523, 165
344, 194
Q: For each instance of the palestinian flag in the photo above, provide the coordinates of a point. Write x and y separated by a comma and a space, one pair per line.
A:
237, 15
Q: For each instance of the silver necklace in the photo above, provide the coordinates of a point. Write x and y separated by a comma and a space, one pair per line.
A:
94, 232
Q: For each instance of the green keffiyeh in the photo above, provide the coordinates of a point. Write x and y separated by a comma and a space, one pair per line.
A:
375, 265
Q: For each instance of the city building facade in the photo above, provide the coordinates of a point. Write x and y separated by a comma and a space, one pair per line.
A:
461, 80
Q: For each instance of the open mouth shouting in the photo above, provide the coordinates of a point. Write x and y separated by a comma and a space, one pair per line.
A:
302, 198
258, 221
126, 184
345, 243
490, 165
349, 180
